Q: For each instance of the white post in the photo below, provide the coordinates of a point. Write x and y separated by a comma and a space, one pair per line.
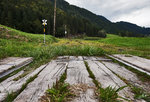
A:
44, 38
65, 31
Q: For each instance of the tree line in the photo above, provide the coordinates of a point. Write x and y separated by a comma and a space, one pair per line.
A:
27, 15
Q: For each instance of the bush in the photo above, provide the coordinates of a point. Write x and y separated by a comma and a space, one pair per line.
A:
102, 33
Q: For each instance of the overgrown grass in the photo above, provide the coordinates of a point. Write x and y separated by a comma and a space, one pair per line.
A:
9, 33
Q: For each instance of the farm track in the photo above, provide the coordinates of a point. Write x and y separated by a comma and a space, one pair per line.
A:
105, 71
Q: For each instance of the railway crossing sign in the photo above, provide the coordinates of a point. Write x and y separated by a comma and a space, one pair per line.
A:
44, 22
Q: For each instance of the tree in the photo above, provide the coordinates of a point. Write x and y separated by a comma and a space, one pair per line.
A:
54, 29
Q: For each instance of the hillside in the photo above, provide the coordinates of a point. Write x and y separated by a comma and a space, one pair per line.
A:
102, 22
26, 15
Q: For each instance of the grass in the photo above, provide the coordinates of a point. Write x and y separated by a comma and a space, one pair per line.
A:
127, 45
9, 33
92, 38
128, 42
59, 93
110, 94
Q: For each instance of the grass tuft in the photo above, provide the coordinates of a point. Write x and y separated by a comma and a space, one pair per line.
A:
109, 94
60, 92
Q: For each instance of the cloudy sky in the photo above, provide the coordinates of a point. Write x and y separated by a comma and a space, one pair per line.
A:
134, 11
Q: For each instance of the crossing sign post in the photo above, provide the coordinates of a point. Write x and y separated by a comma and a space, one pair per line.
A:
44, 23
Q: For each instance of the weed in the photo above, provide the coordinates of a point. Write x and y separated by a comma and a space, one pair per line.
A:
140, 94
109, 94
60, 92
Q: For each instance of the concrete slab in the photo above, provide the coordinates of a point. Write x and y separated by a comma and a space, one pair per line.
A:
131, 77
36, 89
106, 78
78, 77
96, 58
11, 64
10, 85
135, 60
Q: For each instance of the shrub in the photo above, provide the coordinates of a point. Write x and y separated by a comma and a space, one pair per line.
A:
102, 33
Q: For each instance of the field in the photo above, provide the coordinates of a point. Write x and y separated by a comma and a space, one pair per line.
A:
132, 45
17, 43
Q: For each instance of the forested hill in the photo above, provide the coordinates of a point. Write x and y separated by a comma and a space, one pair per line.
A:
26, 15
123, 28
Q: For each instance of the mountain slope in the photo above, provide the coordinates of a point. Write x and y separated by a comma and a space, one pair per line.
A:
102, 22
26, 15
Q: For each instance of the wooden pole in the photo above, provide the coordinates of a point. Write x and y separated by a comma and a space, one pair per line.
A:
54, 28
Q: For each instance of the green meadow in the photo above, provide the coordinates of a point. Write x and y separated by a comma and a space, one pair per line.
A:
21, 44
